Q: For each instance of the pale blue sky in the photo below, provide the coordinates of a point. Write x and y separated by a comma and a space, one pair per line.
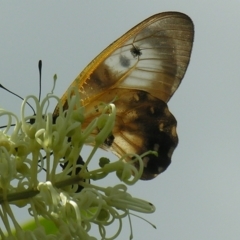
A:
198, 197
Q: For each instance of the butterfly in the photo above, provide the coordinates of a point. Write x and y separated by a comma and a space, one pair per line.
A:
141, 70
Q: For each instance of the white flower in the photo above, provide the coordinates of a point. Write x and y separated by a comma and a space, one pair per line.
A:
65, 197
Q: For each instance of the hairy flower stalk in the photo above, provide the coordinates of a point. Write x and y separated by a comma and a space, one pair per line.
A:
40, 168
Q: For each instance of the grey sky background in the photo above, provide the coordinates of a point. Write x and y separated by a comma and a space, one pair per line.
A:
198, 197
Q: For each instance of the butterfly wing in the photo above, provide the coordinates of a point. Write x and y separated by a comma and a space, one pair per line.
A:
143, 123
143, 68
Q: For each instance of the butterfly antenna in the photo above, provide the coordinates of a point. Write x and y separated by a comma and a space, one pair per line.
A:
40, 78
1, 86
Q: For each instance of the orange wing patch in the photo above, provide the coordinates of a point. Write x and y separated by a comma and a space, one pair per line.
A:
143, 69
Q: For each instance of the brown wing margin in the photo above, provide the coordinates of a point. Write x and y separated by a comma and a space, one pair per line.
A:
171, 43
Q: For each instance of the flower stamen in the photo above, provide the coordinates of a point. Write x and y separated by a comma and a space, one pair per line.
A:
31, 157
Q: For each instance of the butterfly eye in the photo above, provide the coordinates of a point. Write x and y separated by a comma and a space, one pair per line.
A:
141, 71
80, 163
109, 141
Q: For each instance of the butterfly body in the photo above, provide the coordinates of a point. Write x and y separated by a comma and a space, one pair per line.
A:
140, 72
